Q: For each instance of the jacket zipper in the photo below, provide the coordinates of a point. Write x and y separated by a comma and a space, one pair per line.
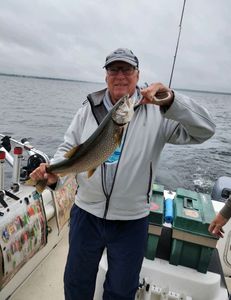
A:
149, 184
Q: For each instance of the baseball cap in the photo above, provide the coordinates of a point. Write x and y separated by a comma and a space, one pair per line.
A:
122, 54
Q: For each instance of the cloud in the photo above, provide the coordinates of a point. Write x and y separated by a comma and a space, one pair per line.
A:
70, 39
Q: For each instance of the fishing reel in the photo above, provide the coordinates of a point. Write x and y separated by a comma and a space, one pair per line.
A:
33, 162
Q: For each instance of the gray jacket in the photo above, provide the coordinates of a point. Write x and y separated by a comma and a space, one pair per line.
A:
185, 122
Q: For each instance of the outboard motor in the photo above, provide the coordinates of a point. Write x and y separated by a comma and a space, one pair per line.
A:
221, 189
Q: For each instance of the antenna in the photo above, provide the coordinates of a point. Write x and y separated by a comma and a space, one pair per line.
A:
177, 44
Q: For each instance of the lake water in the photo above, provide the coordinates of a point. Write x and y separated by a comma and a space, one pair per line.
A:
41, 110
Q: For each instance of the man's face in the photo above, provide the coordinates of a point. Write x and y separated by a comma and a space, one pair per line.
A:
121, 79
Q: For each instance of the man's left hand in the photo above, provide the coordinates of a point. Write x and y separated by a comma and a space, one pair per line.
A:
158, 94
216, 226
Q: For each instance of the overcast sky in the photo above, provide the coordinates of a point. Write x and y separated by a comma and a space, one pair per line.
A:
71, 38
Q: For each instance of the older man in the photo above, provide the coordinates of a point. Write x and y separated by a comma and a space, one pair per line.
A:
112, 206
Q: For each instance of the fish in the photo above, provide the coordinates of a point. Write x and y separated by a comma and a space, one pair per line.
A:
87, 156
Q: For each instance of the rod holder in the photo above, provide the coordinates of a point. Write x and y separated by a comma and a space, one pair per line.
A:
2, 161
8, 157
16, 168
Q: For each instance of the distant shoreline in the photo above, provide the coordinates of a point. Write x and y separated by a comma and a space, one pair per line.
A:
46, 78
202, 91
75, 80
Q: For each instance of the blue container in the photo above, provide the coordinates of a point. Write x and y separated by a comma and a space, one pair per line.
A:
168, 215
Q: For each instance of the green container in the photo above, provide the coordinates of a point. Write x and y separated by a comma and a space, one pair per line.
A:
156, 215
192, 244
155, 220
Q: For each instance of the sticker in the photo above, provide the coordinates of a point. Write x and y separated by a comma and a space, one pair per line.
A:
35, 209
11, 229
26, 219
18, 223
21, 237
25, 236
5, 235
36, 195
191, 213
30, 211
154, 206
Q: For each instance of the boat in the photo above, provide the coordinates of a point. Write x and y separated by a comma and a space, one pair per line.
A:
33, 225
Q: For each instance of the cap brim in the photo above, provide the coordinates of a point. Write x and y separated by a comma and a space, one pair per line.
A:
130, 62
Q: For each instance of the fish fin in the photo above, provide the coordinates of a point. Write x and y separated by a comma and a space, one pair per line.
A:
71, 152
118, 137
41, 185
30, 182
90, 173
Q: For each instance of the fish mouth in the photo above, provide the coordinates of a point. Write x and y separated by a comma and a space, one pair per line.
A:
124, 111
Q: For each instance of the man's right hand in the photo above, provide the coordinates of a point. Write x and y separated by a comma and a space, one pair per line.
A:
41, 173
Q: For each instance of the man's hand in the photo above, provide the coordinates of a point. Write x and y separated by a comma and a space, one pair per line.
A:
158, 94
40, 173
216, 226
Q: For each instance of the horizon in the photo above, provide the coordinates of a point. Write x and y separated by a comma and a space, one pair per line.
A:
95, 82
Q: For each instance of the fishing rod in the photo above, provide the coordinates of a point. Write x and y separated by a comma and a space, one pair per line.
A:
165, 96
177, 44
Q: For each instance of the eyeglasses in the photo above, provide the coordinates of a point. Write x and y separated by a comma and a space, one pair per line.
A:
127, 71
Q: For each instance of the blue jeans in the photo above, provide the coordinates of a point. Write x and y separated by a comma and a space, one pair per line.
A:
89, 235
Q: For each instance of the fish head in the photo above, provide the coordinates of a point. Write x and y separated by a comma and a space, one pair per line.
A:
123, 110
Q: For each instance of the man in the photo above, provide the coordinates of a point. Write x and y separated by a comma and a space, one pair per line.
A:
112, 206
216, 226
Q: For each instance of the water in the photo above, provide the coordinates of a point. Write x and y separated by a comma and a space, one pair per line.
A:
41, 110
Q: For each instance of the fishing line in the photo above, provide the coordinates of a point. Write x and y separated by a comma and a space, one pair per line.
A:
177, 44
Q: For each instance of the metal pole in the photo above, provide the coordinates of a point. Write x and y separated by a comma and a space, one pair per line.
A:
29, 148
177, 44
16, 142
16, 168
2, 161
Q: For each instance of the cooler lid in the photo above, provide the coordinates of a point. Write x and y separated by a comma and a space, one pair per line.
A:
193, 212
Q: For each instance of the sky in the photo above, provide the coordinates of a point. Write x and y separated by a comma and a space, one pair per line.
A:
70, 39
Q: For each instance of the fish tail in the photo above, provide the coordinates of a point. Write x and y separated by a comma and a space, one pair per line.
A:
30, 182
39, 185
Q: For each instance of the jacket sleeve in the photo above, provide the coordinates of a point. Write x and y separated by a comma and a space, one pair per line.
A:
187, 122
226, 210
